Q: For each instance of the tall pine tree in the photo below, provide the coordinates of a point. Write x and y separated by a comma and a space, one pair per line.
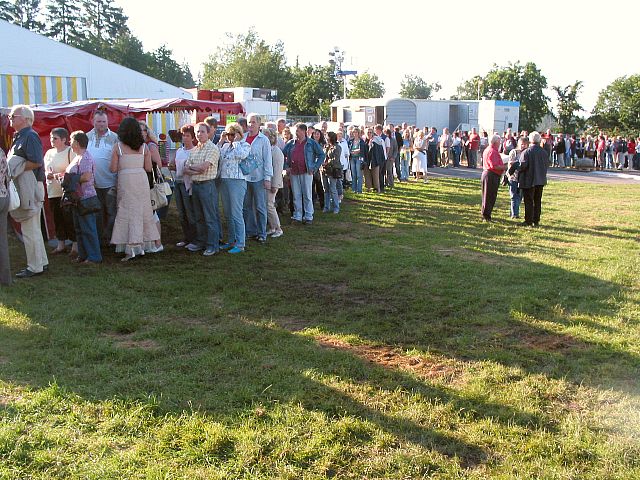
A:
24, 13
63, 21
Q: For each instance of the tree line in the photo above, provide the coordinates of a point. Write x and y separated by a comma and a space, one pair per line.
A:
98, 27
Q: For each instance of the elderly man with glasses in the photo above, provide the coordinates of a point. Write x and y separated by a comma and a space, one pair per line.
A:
27, 144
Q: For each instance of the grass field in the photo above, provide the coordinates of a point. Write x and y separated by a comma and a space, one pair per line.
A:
400, 339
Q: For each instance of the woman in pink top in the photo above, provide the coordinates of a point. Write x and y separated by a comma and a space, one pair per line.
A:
493, 168
601, 148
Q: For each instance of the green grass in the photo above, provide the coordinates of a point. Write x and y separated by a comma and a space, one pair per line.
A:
399, 339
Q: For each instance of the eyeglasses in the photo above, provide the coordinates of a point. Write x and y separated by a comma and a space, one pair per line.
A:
14, 115
232, 135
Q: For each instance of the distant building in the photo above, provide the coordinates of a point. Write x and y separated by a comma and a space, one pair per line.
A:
488, 115
35, 69
262, 101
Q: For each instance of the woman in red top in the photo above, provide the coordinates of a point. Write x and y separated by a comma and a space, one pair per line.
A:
631, 151
493, 168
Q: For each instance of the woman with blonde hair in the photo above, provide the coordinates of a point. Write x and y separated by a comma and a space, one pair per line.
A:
274, 229
420, 156
234, 185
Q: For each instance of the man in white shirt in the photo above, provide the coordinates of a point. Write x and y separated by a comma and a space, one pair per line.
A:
101, 143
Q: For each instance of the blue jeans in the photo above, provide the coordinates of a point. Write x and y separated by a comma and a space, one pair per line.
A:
234, 191
87, 236
185, 212
405, 160
255, 210
355, 164
331, 199
456, 155
609, 162
301, 188
205, 206
516, 198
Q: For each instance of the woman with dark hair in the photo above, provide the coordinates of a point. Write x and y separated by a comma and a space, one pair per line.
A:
183, 187
151, 140
56, 161
317, 179
331, 173
134, 224
85, 223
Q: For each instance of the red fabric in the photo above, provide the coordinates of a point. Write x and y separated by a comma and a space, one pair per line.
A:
474, 141
298, 164
491, 159
631, 147
250, 139
601, 146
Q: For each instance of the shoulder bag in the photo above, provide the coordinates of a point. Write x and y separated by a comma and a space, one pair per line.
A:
157, 192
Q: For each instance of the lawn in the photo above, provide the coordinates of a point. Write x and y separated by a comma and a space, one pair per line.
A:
400, 339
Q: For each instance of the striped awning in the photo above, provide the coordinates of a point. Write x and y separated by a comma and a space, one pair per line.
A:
32, 89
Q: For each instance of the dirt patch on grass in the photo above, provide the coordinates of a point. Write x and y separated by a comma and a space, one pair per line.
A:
293, 324
550, 342
126, 340
388, 357
469, 255
3, 360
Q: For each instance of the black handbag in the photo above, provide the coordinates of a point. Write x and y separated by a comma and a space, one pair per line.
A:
88, 205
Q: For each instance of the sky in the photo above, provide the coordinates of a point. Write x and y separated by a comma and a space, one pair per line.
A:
442, 42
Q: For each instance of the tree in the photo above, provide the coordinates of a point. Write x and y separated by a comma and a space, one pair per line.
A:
103, 21
247, 60
618, 106
24, 13
568, 106
413, 86
515, 82
63, 21
165, 68
311, 84
366, 85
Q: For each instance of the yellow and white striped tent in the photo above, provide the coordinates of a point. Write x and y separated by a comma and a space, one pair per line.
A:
162, 122
38, 89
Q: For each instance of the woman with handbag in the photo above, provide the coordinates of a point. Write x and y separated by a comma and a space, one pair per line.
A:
5, 267
331, 172
134, 224
56, 161
87, 203
151, 141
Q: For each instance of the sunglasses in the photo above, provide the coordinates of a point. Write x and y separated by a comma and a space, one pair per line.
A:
232, 135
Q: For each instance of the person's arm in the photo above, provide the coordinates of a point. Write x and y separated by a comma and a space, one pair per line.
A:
115, 158
267, 163
148, 164
33, 150
155, 154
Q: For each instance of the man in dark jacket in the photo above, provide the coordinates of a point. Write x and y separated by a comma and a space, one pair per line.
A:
532, 179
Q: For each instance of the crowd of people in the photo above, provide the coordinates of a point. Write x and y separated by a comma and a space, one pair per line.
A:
100, 184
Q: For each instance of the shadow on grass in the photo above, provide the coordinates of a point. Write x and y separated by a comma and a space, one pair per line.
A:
193, 332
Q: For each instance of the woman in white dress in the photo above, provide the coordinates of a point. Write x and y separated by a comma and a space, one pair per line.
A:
420, 155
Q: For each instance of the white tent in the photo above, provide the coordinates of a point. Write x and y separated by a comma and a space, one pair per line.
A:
35, 69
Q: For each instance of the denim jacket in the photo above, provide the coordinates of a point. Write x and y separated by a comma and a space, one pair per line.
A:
261, 148
313, 154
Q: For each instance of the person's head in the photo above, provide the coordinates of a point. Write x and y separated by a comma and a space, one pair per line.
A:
233, 132
404, 125
243, 123
188, 136
378, 129
387, 132
202, 132
420, 134
213, 126
317, 134
148, 134
535, 137
301, 131
310, 130
130, 133
434, 130
473, 130
100, 121
271, 134
369, 133
355, 132
340, 135
59, 138
286, 134
406, 135
271, 125
79, 141
282, 123
324, 127
523, 143
332, 138
21, 116
254, 121
445, 131
485, 134
496, 140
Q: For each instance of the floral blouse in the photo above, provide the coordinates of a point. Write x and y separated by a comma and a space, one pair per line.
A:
4, 175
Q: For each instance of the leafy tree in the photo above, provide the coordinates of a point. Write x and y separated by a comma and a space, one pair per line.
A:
248, 60
366, 85
515, 82
413, 86
24, 13
311, 84
165, 68
568, 106
618, 106
63, 21
103, 21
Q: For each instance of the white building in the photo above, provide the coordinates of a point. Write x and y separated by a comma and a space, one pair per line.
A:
489, 115
262, 101
35, 69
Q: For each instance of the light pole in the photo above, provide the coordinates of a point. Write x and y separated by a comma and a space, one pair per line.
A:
337, 57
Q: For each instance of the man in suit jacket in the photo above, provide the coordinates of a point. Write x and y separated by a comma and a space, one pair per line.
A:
532, 178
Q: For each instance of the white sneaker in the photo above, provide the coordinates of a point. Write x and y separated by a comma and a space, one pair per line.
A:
181, 244
155, 249
277, 233
192, 247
